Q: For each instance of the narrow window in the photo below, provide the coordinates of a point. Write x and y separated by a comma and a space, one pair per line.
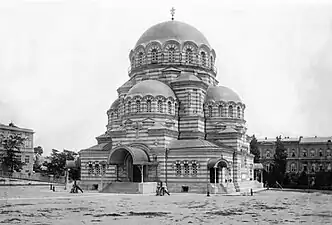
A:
169, 108
203, 58
160, 106
97, 168
154, 56
220, 110
194, 169
140, 58
186, 168
27, 159
209, 111
312, 153
138, 106
230, 111
238, 112
129, 107
178, 169
148, 105
189, 56
321, 168
293, 153
305, 167
90, 169
211, 62
171, 55
320, 153
293, 169
133, 61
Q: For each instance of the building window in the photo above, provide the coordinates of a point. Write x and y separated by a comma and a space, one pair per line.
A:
268, 167
160, 106
211, 62
169, 107
220, 110
140, 58
230, 111
312, 153
178, 169
189, 56
97, 168
320, 153
171, 55
305, 167
27, 159
293, 167
129, 107
321, 168
194, 168
116, 113
238, 112
148, 105
329, 167
203, 58
293, 153
304, 153
268, 154
103, 167
133, 61
209, 111
328, 152
176, 108
90, 169
154, 56
186, 168
313, 167
138, 106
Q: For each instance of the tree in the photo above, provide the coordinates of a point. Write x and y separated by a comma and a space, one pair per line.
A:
57, 162
38, 151
280, 157
254, 149
11, 160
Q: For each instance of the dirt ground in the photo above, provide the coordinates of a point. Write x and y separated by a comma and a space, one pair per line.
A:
39, 205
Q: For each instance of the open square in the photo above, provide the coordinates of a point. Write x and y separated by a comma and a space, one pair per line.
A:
38, 205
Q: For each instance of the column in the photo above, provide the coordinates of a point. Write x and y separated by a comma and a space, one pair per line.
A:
215, 180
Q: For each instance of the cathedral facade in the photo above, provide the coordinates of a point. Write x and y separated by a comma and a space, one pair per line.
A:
172, 122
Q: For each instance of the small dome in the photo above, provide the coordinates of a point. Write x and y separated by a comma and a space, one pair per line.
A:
186, 77
221, 93
172, 30
115, 104
151, 87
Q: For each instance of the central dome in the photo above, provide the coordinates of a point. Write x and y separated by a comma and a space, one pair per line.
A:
172, 30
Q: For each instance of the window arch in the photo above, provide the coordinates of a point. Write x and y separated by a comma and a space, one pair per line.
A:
140, 58
169, 107
238, 112
171, 54
189, 55
160, 106
129, 107
220, 110
203, 58
209, 111
230, 111
154, 56
138, 106
148, 105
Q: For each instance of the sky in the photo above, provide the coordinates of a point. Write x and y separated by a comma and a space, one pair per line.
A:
62, 61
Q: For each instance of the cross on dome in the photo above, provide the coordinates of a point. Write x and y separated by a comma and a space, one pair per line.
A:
172, 12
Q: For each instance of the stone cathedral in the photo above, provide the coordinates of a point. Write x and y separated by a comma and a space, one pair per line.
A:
172, 122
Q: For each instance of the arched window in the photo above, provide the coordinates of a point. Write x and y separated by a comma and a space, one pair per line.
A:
293, 167
312, 153
97, 168
293, 153
138, 106
175, 108
220, 110
194, 168
133, 61
140, 58
129, 107
209, 111
160, 106
304, 153
230, 111
203, 58
169, 107
178, 169
238, 112
154, 56
211, 62
313, 167
90, 169
189, 56
148, 105
320, 153
171, 54
186, 168
116, 112
268, 154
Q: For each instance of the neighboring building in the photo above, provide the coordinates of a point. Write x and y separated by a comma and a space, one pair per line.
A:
172, 121
27, 154
310, 154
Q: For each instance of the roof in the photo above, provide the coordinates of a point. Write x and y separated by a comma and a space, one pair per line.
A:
172, 30
12, 127
115, 104
307, 140
186, 77
151, 87
221, 93
98, 147
118, 154
216, 162
192, 143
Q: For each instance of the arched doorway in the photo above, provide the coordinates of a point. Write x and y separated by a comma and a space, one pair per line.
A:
218, 170
131, 163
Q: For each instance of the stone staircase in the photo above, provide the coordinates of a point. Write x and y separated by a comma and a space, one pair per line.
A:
122, 187
222, 188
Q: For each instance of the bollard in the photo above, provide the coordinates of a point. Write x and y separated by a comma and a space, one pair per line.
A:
251, 192
208, 194
53, 188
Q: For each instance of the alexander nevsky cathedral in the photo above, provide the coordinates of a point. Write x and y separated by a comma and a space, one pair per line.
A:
172, 122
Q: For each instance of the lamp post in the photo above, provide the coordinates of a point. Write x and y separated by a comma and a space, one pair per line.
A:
166, 158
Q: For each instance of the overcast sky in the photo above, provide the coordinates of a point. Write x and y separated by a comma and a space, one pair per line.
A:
62, 61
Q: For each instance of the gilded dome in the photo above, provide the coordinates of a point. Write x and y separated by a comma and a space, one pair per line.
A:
151, 87
221, 93
172, 30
